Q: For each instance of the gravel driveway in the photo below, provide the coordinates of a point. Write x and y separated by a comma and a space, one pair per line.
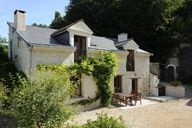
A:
171, 114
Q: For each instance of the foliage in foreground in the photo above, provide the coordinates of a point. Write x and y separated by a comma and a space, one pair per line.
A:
42, 102
3, 96
103, 121
8, 71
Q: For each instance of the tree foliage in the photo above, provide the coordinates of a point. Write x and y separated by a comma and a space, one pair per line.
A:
40, 25
58, 21
183, 22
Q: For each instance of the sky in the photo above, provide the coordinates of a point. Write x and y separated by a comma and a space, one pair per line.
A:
37, 11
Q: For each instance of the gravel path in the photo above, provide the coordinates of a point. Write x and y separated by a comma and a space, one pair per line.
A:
172, 114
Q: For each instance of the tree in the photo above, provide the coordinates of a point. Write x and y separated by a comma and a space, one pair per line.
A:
3, 50
148, 21
183, 22
58, 21
40, 25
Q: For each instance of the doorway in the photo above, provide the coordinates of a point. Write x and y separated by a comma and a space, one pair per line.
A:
135, 85
171, 75
118, 84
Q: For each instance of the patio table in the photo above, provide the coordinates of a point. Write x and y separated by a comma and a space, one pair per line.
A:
127, 97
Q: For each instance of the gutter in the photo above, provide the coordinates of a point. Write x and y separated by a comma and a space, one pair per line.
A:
53, 46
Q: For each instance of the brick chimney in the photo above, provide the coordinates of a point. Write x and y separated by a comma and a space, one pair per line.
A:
19, 20
122, 37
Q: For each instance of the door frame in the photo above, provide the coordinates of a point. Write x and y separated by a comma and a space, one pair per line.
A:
118, 82
134, 84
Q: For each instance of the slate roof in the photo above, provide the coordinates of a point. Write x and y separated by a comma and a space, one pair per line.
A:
102, 43
37, 35
43, 36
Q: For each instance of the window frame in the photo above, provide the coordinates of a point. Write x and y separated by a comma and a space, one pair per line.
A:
130, 63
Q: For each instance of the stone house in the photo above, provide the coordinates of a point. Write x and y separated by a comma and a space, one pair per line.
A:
30, 46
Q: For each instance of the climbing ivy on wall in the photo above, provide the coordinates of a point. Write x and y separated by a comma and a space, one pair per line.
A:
102, 67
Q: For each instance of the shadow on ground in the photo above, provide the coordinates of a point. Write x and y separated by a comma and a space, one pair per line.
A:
189, 103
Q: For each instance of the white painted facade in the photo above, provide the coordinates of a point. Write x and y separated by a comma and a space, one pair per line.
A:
178, 91
28, 56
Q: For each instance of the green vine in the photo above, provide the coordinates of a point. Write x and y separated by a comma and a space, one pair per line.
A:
102, 68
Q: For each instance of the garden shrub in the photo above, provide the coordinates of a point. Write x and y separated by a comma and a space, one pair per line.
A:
175, 83
42, 102
8, 70
3, 95
103, 121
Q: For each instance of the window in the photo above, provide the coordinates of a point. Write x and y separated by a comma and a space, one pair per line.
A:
118, 84
130, 65
80, 44
18, 41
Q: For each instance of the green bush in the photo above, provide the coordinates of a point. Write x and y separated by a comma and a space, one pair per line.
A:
175, 83
8, 71
3, 95
103, 121
42, 102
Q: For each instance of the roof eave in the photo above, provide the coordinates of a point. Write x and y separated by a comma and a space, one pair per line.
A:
149, 54
109, 50
52, 46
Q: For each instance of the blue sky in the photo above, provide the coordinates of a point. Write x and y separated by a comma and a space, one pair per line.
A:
38, 11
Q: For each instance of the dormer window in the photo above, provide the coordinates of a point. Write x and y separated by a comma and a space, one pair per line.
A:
130, 64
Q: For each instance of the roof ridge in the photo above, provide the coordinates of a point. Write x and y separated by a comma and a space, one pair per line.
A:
41, 27
11, 23
67, 26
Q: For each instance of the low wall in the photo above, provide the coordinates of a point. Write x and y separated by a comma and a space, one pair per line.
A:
154, 82
178, 91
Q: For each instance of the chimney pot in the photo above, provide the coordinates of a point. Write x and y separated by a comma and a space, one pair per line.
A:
122, 37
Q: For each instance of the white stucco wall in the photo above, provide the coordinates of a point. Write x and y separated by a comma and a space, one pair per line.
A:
175, 91
142, 62
142, 69
42, 55
20, 51
154, 82
89, 87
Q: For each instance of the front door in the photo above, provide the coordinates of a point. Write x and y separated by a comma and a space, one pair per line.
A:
135, 85
118, 83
